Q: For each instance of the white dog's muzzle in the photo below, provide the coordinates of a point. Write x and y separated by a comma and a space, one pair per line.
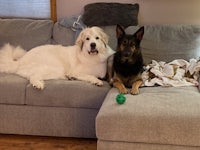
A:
93, 50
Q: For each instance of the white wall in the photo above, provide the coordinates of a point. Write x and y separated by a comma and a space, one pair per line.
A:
170, 11
151, 11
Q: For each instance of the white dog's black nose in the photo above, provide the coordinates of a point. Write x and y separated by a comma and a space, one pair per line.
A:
93, 45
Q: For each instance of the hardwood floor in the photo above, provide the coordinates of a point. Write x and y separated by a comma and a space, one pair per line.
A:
18, 142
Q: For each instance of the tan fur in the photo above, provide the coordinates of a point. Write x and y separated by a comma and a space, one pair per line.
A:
135, 87
134, 81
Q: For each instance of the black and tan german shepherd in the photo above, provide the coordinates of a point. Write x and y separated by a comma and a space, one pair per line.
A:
127, 64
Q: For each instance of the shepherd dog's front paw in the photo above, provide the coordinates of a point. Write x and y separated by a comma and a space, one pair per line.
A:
123, 90
135, 87
134, 91
120, 86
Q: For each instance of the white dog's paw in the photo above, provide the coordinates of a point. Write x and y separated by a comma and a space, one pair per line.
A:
39, 84
89, 78
70, 77
97, 82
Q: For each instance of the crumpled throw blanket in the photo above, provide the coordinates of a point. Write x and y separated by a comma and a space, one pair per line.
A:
75, 23
176, 73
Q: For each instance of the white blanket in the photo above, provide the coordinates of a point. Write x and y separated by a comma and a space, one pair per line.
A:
176, 73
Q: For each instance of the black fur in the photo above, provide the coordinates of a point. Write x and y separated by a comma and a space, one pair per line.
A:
135, 66
127, 69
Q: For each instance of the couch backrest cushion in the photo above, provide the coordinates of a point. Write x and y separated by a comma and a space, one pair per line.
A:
104, 14
63, 35
169, 42
27, 33
111, 32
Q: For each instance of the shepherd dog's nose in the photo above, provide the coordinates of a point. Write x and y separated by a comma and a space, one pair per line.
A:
127, 53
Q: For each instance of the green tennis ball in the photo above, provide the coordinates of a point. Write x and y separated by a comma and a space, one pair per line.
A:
120, 99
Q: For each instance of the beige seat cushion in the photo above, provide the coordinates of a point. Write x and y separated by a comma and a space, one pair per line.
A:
157, 115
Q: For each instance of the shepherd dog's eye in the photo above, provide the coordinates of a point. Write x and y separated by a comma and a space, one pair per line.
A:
125, 41
87, 38
97, 37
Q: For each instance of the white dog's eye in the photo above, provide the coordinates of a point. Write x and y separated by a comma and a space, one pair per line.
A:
87, 38
97, 37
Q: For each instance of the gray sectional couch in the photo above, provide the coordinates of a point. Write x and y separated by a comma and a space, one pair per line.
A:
159, 118
63, 108
156, 119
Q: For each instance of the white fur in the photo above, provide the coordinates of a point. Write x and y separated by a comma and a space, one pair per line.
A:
59, 62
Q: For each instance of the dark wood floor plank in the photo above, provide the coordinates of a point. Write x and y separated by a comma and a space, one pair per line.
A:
19, 142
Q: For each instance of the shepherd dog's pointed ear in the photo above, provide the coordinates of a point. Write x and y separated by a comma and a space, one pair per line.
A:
120, 31
139, 34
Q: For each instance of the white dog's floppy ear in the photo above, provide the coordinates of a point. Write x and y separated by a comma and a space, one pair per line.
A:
80, 39
103, 35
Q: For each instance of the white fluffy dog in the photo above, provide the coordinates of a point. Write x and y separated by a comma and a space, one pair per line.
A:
85, 61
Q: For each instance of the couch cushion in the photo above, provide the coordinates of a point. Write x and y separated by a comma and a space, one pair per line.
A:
12, 89
111, 32
63, 93
157, 115
104, 14
47, 121
169, 42
27, 33
63, 35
